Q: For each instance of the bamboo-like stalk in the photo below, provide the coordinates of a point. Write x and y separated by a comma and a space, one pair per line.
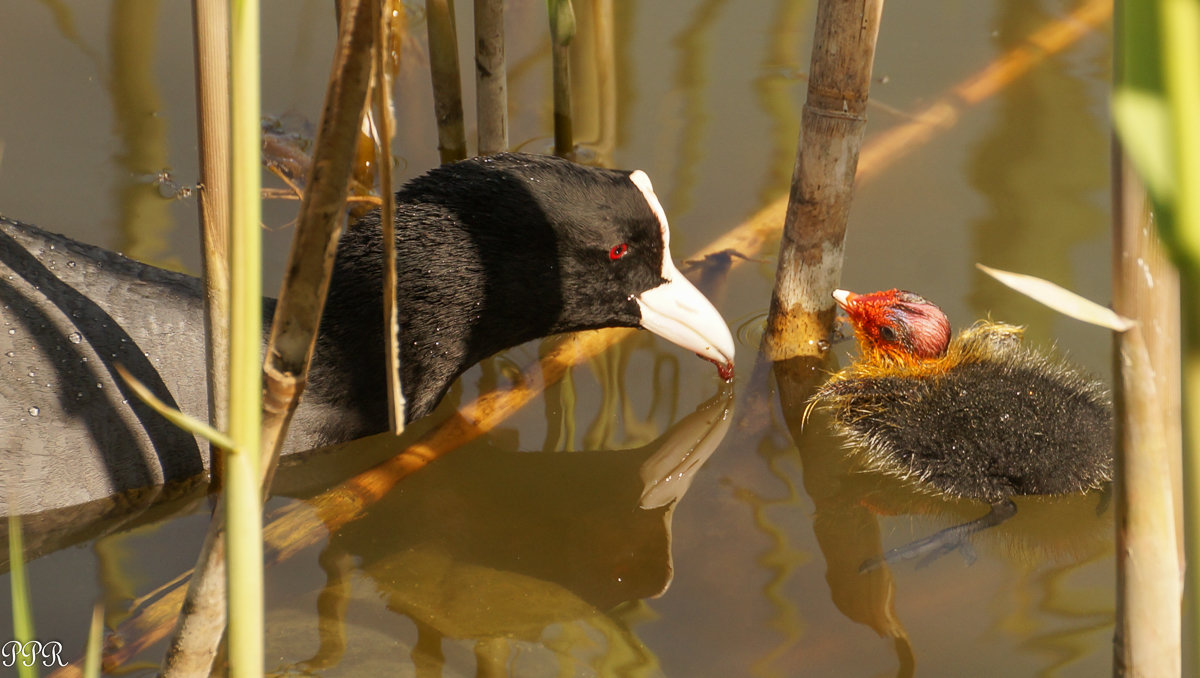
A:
447, 87
832, 126
1157, 111
386, 120
236, 526
210, 21
1145, 289
242, 493
294, 528
491, 77
562, 31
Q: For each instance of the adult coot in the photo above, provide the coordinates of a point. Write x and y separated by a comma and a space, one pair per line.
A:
492, 252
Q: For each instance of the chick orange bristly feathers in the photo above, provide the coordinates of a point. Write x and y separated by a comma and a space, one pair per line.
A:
980, 417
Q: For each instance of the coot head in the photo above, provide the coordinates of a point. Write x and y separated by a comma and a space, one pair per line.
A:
499, 250
896, 324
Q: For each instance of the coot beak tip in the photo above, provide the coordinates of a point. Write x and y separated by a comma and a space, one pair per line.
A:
679, 313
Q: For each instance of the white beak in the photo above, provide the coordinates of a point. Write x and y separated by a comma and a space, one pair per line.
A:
679, 313
675, 310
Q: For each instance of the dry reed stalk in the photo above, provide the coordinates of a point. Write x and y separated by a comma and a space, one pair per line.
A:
447, 88
210, 21
832, 128
562, 31
211, 25
384, 70
491, 77
302, 294
1148, 441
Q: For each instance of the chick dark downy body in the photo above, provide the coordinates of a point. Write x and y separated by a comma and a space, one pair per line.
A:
979, 417
1000, 421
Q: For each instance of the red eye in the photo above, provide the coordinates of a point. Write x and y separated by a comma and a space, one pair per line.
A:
618, 251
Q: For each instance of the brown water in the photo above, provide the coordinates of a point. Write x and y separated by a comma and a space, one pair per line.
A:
532, 550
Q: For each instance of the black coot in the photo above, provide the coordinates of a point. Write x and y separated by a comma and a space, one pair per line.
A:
492, 252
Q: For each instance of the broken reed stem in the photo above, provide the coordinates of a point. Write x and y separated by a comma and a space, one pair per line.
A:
832, 127
210, 23
562, 31
447, 87
191, 651
310, 264
491, 77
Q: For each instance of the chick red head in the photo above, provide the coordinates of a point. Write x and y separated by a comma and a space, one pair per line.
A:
896, 323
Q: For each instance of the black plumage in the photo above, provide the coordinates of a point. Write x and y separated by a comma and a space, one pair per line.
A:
491, 252
474, 284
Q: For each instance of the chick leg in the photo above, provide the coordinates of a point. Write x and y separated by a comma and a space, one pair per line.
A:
955, 538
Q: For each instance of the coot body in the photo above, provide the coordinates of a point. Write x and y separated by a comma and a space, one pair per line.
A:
492, 252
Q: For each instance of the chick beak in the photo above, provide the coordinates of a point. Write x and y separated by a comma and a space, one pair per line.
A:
845, 299
679, 313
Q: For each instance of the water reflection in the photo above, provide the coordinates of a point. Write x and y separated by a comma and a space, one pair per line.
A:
1041, 137
497, 544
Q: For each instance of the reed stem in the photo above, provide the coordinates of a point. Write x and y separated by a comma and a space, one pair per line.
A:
447, 88
210, 20
491, 77
832, 127
242, 492
562, 31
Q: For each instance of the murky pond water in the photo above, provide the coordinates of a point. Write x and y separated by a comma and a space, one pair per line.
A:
545, 546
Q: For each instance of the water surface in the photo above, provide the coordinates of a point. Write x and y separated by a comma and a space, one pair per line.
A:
531, 551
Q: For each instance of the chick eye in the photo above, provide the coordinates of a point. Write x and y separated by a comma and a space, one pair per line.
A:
618, 251
887, 333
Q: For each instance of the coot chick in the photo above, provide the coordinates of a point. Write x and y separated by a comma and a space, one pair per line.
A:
979, 417
492, 252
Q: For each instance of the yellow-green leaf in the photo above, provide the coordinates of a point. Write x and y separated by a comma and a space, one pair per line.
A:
1143, 124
